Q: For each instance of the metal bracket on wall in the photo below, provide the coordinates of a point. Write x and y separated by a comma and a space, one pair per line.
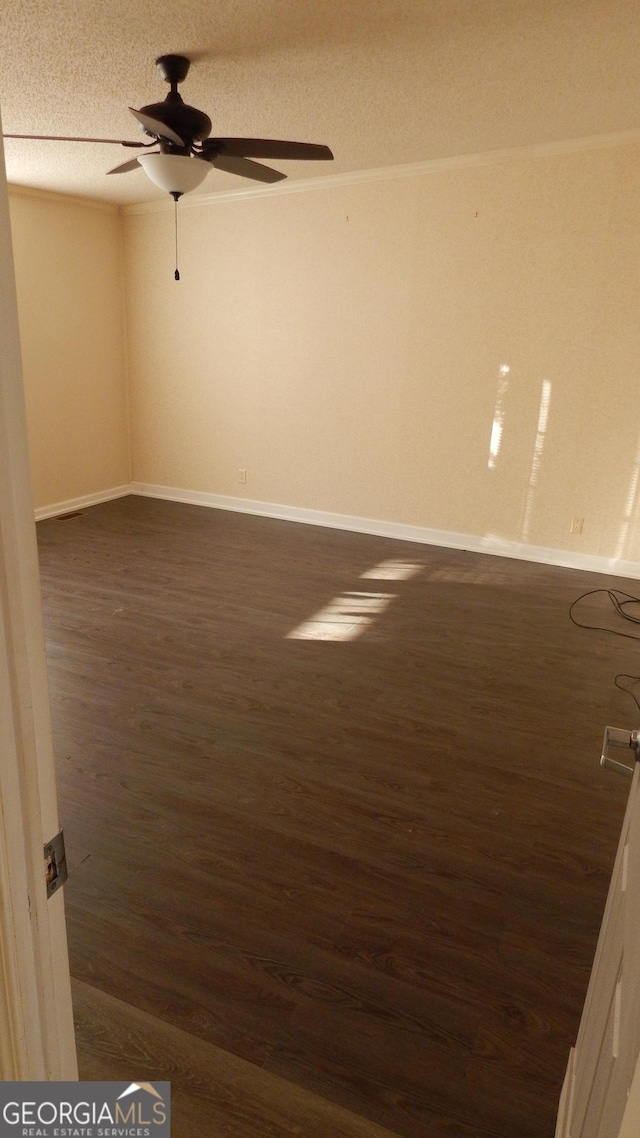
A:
55, 862
618, 737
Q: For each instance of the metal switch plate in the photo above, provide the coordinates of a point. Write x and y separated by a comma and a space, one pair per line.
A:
55, 861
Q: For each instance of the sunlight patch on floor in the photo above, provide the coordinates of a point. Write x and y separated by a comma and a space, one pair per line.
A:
344, 618
392, 571
348, 615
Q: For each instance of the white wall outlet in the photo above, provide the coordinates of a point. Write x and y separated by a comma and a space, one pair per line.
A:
577, 525
242, 476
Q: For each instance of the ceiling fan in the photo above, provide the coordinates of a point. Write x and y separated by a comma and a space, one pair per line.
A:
185, 149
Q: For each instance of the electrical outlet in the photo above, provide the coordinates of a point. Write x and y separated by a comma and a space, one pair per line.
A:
577, 525
242, 476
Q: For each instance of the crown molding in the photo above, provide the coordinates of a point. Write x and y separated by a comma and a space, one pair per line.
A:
393, 173
55, 198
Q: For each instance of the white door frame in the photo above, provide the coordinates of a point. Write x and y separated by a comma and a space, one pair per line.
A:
36, 1019
601, 1091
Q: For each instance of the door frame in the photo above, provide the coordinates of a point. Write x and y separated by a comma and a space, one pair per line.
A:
36, 1017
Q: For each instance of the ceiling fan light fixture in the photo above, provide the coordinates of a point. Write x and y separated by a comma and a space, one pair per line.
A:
175, 173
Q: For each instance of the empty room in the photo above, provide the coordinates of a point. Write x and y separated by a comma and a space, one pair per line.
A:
320, 520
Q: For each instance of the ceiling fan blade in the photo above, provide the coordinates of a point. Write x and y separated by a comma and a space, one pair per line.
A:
157, 128
124, 168
66, 138
269, 148
245, 168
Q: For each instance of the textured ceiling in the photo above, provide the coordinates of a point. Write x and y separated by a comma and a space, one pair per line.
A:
382, 82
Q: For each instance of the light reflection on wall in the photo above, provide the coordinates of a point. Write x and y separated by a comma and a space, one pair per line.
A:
536, 462
498, 417
631, 505
348, 615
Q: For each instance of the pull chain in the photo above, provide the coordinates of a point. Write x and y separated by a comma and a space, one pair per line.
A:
175, 197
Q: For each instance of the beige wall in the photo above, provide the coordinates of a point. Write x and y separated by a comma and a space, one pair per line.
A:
69, 280
348, 346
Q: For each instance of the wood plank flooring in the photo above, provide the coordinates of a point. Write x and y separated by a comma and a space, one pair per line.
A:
372, 868
213, 1093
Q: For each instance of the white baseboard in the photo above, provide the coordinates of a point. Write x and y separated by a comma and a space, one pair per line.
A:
81, 503
495, 546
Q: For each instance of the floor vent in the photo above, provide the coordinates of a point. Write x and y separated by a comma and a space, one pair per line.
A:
67, 517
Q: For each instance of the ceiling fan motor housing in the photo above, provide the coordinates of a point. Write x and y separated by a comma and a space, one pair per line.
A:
188, 122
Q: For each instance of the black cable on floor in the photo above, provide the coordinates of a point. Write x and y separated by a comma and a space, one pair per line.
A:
626, 676
620, 602
619, 605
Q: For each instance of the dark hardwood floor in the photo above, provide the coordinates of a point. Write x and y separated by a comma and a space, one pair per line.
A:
214, 1094
371, 869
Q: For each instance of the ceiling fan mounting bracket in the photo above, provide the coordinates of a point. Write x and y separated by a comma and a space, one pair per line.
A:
173, 68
